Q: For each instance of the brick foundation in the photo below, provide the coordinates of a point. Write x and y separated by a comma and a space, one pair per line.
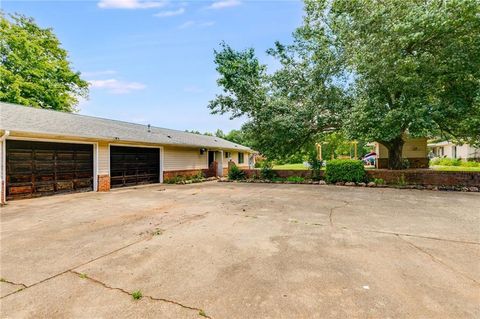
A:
103, 183
188, 172
411, 176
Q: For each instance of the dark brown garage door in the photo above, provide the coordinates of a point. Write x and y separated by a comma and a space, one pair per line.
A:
133, 166
39, 168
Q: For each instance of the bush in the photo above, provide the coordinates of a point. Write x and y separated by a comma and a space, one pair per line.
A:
379, 181
345, 171
267, 172
235, 173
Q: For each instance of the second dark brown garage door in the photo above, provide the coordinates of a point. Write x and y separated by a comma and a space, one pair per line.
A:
133, 166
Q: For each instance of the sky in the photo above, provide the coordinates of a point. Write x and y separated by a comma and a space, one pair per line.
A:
151, 61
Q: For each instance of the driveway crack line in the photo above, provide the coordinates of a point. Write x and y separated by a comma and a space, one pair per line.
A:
437, 260
332, 210
420, 236
199, 310
13, 283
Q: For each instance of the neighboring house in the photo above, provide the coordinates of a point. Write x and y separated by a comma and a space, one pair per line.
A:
414, 150
47, 152
452, 150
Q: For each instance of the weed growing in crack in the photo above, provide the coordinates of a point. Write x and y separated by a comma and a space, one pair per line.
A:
202, 313
2, 280
157, 232
137, 295
83, 276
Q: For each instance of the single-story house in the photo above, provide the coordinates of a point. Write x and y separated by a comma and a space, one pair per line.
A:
45, 152
414, 150
452, 150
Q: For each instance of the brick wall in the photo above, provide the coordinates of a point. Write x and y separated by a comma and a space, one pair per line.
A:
103, 183
189, 172
418, 162
411, 176
427, 177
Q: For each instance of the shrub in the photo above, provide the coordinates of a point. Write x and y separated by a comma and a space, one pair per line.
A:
345, 171
235, 173
379, 181
267, 172
295, 179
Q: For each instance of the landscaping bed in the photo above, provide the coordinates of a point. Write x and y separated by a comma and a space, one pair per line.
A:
353, 173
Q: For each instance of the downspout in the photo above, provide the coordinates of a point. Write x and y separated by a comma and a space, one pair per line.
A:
3, 167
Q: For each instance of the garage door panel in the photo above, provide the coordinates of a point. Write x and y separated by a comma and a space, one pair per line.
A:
134, 166
41, 168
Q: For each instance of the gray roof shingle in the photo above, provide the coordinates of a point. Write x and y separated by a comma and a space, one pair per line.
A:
34, 120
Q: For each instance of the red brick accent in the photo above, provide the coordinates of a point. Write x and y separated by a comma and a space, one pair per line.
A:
416, 162
411, 176
103, 183
188, 172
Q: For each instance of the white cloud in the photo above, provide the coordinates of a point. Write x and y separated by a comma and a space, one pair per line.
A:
171, 13
191, 23
222, 4
115, 86
129, 4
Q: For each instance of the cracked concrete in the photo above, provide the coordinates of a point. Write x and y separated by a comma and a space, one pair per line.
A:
242, 251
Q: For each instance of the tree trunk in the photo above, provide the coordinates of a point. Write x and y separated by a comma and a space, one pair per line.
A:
395, 147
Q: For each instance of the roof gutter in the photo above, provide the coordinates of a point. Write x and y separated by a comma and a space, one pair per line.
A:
4, 136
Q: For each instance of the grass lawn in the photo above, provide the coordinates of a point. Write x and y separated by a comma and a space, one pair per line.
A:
455, 168
299, 166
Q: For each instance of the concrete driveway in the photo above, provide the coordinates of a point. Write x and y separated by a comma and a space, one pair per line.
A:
227, 250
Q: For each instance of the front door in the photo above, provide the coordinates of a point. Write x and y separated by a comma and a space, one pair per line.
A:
211, 158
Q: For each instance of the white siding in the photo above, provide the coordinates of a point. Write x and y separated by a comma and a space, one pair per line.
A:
176, 159
103, 158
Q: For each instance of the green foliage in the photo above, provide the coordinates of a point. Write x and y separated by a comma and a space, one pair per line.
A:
287, 109
34, 68
137, 295
235, 173
266, 171
345, 171
469, 164
415, 66
295, 179
177, 179
379, 181
316, 166
401, 180
445, 161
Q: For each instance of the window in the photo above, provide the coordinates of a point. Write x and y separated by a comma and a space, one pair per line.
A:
240, 158
454, 151
228, 154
